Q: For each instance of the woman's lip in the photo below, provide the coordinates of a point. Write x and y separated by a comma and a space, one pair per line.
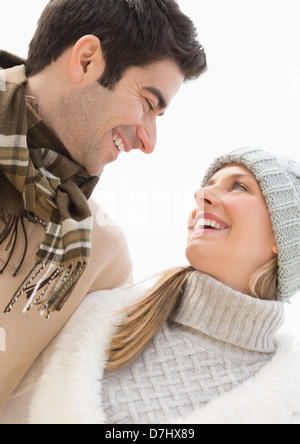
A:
199, 233
210, 216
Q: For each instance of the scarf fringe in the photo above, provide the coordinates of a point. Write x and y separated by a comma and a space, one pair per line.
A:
47, 292
55, 286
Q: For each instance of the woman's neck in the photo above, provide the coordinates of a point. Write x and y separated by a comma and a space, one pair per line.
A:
228, 315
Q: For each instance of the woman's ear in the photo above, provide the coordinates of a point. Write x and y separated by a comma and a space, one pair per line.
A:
87, 62
275, 249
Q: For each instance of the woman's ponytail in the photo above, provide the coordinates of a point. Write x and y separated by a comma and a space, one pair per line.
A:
145, 318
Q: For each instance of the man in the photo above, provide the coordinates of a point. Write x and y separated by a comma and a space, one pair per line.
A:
98, 74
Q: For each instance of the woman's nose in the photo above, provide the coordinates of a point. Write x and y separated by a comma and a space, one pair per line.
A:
205, 196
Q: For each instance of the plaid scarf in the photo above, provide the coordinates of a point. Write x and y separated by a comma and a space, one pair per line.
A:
40, 182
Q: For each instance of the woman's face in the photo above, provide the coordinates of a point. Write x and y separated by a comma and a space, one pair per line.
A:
230, 230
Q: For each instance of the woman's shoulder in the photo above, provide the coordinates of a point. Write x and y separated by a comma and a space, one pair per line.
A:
83, 344
110, 301
98, 306
272, 396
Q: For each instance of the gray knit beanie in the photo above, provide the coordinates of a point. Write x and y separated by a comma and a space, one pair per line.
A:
279, 179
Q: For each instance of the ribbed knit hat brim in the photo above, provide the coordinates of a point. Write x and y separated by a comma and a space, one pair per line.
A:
279, 179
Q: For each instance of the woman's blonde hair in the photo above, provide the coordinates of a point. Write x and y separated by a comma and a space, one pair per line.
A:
145, 318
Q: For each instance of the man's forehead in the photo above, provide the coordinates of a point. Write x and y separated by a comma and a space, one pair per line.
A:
163, 75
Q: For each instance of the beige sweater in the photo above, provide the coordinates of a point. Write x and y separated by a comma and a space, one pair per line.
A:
24, 336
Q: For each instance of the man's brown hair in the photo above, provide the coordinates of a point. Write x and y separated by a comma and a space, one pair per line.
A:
131, 32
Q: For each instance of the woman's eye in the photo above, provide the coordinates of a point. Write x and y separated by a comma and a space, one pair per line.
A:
239, 186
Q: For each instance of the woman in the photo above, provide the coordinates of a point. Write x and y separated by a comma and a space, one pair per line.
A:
199, 347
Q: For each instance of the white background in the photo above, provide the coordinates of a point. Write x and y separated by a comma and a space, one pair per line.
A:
250, 96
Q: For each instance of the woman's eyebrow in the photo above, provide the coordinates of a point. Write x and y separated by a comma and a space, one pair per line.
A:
232, 177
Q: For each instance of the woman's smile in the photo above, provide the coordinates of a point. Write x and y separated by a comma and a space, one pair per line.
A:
223, 235
207, 223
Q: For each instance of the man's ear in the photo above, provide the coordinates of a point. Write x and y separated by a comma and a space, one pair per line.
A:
87, 62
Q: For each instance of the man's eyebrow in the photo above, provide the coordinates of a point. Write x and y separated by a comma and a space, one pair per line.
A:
162, 103
232, 177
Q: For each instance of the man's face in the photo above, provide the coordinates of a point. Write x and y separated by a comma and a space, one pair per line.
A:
96, 123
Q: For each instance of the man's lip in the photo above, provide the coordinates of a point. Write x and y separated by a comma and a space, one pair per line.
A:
210, 216
127, 148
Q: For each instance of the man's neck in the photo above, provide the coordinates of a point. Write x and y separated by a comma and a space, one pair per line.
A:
42, 89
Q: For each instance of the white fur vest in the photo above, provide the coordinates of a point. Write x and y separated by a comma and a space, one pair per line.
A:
70, 371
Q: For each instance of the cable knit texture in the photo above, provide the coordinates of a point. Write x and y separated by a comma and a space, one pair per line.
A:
279, 179
217, 339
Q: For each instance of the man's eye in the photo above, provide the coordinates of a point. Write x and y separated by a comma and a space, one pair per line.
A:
151, 107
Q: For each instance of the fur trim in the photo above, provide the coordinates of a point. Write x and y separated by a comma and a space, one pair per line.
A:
69, 391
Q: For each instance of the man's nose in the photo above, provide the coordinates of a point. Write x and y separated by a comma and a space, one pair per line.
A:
147, 134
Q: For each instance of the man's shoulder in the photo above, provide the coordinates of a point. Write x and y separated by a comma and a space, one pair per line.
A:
105, 229
110, 251
101, 218
9, 60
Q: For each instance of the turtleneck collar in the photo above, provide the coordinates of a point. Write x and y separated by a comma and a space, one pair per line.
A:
226, 315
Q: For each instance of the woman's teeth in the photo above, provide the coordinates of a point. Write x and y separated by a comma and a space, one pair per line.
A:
202, 223
119, 144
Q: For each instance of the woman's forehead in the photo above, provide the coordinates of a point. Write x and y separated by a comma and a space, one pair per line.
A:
232, 169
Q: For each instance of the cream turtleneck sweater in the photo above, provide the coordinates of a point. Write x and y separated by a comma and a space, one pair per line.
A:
217, 339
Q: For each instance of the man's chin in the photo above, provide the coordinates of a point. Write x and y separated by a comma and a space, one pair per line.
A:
97, 170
